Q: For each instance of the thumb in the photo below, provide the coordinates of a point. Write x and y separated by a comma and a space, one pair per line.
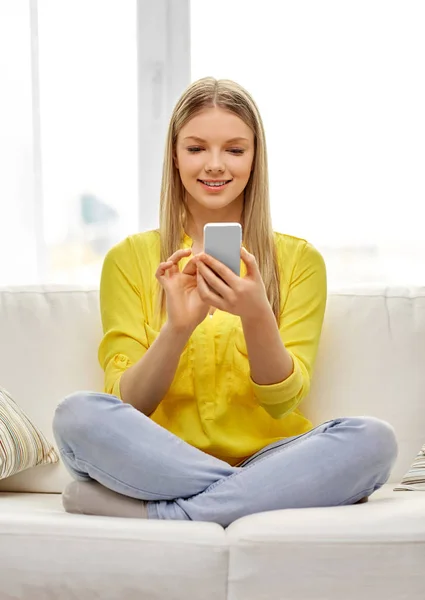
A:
190, 268
250, 262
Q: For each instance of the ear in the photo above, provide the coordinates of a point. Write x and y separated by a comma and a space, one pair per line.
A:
176, 162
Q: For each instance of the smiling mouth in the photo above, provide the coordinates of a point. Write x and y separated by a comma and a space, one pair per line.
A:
215, 184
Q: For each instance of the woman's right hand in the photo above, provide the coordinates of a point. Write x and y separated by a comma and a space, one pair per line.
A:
185, 309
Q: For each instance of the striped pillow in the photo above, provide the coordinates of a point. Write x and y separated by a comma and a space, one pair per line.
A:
415, 476
22, 445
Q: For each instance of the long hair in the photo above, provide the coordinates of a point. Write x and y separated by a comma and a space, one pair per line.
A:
258, 235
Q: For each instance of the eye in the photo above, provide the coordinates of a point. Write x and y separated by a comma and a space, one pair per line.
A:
194, 149
236, 150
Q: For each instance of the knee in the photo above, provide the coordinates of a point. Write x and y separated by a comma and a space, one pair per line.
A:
379, 439
72, 416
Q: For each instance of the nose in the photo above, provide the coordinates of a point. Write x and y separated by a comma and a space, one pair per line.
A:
214, 163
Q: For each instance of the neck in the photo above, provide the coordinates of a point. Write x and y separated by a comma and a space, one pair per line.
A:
196, 219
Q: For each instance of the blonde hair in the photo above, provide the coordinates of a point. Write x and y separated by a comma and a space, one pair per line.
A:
258, 235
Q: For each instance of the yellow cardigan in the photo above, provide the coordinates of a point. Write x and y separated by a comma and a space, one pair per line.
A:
212, 403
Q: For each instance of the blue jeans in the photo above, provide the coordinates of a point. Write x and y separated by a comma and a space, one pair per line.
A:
337, 463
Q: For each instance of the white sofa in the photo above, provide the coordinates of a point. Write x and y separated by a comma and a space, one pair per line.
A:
371, 362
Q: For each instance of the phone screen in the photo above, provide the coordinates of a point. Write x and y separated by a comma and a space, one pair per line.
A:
223, 242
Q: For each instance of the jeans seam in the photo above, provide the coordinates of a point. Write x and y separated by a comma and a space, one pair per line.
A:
114, 478
243, 469
265, 451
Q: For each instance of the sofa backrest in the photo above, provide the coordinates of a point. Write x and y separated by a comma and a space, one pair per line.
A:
370, 362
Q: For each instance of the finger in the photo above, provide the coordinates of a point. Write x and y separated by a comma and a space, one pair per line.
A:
250, 262
176, 257
217, 285
191, 267
220, 269
162, 268
179, 254
208, 295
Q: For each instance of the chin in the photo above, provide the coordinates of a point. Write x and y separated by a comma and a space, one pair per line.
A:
214, 200
211, 205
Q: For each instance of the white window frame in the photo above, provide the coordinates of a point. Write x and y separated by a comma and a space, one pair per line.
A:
163, 72
38, 197
163, 42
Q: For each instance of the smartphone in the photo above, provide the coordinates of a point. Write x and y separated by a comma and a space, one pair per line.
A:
223, 241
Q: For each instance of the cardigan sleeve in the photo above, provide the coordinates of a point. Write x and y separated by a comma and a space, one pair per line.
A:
300, 329
125, 336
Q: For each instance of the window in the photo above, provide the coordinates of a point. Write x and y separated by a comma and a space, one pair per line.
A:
88, 124
87, 91
88, 87
340, 88
16, 168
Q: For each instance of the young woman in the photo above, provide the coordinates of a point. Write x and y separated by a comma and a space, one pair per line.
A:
200, 418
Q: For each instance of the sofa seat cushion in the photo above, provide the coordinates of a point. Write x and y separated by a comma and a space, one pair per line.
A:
46, 552
371, 550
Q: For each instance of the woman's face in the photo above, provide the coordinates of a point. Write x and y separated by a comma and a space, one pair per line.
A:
214, 147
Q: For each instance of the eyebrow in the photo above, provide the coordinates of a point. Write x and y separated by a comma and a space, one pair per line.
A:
198, 139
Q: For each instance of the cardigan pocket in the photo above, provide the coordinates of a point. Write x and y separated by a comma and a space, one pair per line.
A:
240, 355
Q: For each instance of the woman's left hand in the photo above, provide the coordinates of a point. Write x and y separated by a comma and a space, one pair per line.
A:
242, 296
